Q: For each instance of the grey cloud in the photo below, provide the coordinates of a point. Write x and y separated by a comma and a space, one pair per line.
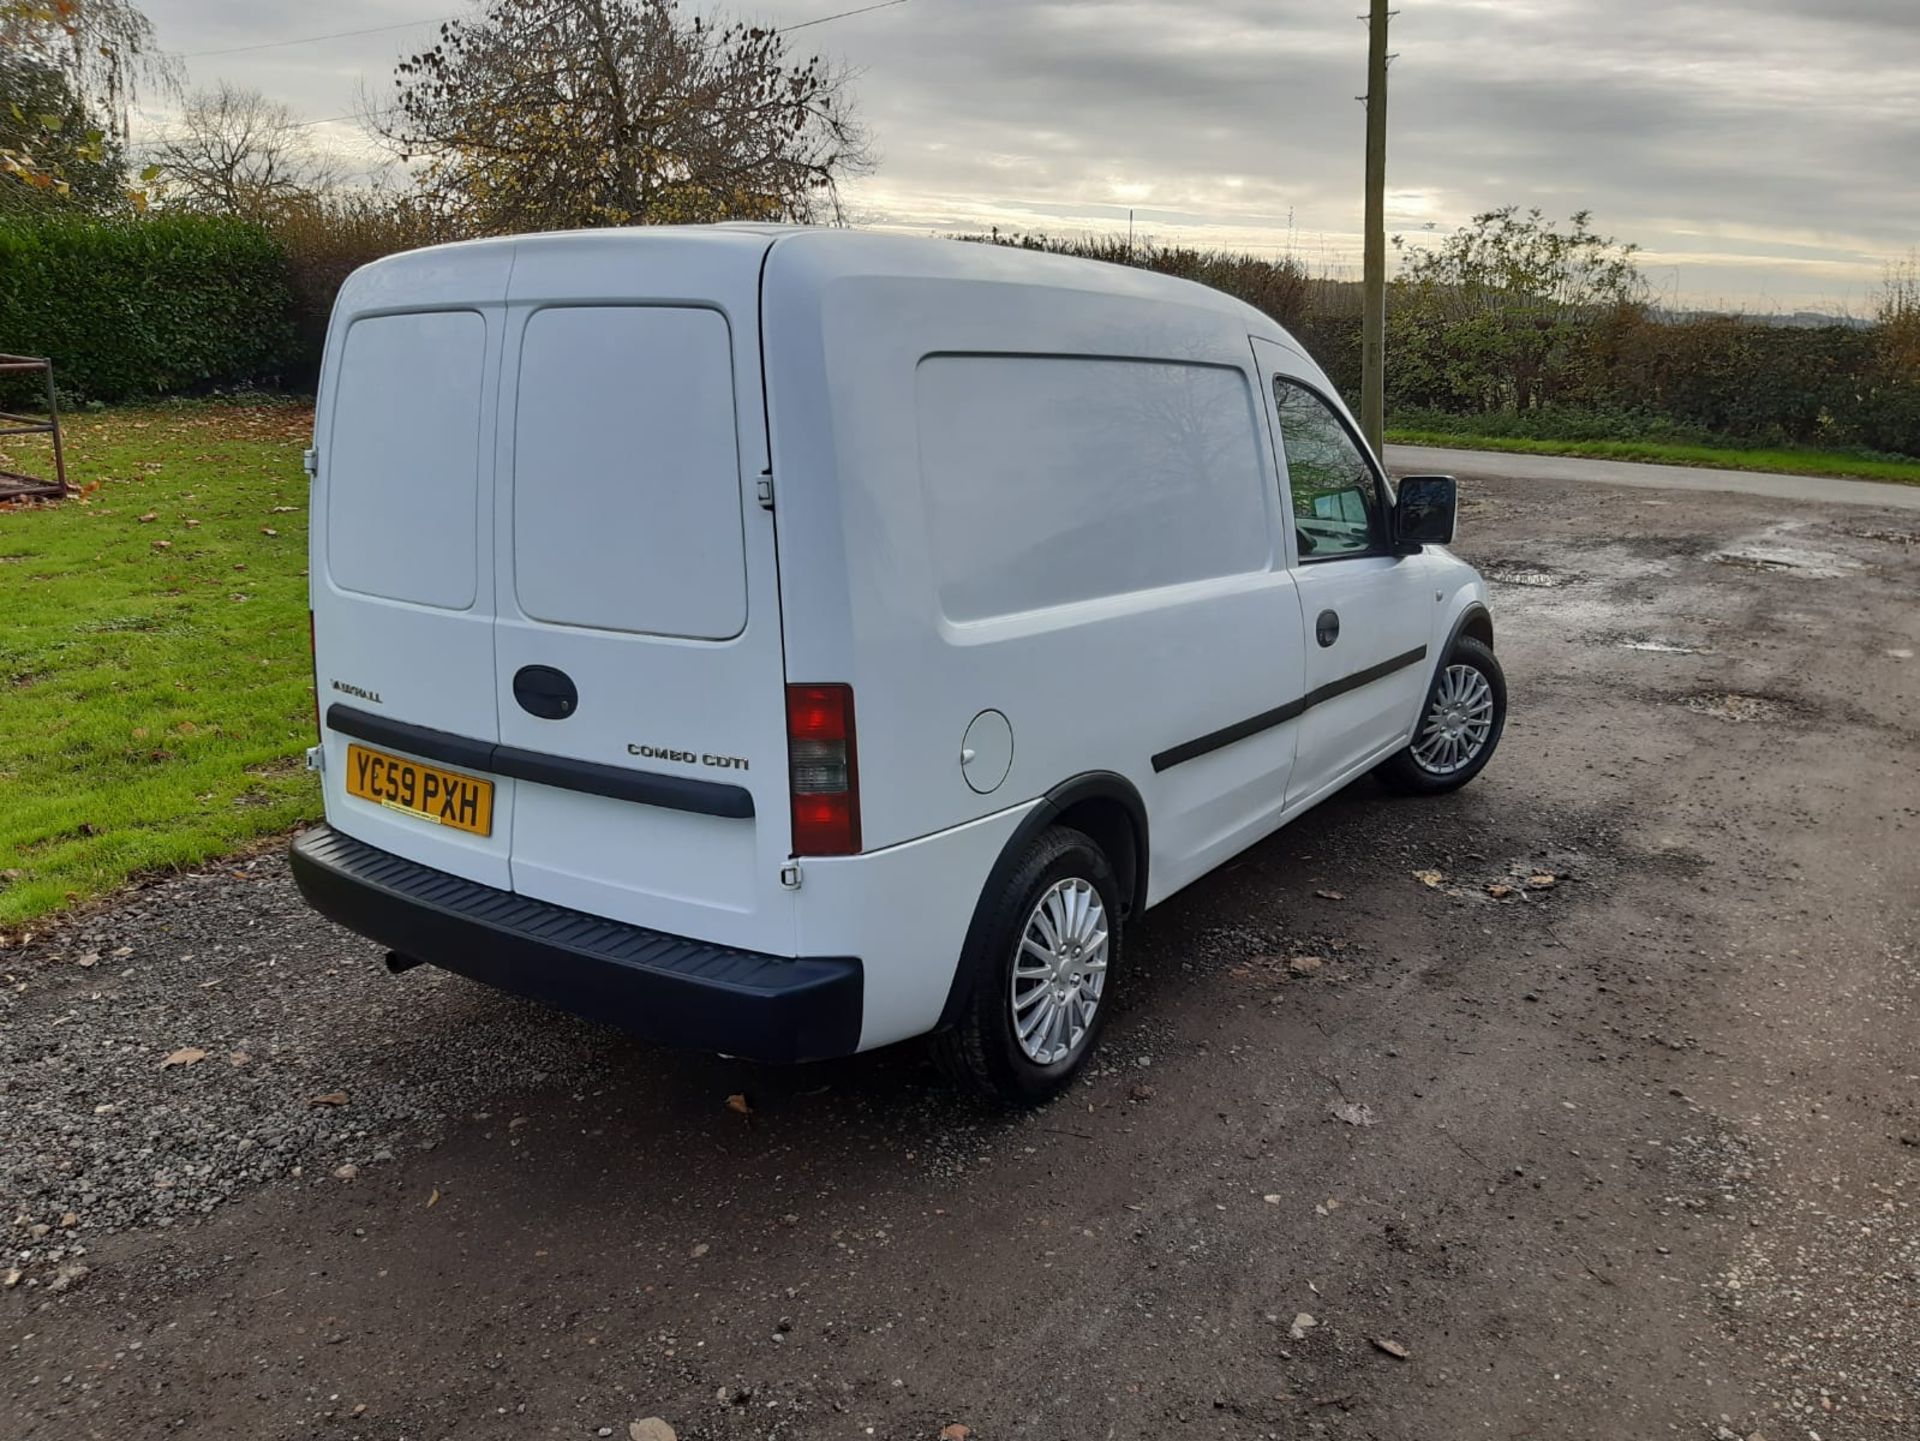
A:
1783, 125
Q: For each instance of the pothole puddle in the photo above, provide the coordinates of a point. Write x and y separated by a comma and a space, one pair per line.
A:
1655, 646
1774, 550
1733, 706
1530, 579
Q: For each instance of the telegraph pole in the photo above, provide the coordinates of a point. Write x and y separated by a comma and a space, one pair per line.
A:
1373, 319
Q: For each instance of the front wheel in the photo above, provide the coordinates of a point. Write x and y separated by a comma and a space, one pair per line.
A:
1460, 724
1040, 975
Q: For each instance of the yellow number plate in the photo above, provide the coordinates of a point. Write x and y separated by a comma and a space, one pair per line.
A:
444, 797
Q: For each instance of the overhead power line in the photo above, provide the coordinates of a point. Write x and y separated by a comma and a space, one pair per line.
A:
843, 15
316, 39
442, 19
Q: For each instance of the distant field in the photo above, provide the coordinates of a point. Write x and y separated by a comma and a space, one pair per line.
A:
155, 696
1786, 462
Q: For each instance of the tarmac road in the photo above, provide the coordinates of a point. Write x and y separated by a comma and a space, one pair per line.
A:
1639, 1153
1489, 464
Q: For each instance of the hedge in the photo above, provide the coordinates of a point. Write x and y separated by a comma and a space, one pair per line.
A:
180, 304
167, 305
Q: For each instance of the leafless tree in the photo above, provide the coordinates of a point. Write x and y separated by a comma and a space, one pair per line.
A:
235, 152
536, 114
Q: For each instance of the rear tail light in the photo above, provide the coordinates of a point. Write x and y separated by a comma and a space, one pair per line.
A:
824, 770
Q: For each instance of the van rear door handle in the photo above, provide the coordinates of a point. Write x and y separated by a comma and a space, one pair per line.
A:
1326, 630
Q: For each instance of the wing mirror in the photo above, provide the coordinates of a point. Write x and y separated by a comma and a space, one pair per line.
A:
1425, 512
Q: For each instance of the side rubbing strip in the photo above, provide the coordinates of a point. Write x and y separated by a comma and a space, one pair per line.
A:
1280, 715
678, 793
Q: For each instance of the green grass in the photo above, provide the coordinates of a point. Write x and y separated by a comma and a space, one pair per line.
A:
1838, 463
155, 691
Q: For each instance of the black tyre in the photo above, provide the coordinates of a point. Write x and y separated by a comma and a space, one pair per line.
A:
1460, 724
1040, 967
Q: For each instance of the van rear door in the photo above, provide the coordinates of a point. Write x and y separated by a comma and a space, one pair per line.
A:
401, 561
640, 680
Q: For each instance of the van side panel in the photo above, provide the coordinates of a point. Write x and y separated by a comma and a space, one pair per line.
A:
943, 423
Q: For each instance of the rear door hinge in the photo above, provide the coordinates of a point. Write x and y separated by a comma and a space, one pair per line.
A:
763, 490
790, 875
310, 462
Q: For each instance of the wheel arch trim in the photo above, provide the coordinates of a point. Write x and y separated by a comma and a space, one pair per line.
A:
1473, 615
1089, 786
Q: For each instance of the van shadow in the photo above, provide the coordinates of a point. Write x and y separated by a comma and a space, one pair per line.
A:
628, 1167
659, 1109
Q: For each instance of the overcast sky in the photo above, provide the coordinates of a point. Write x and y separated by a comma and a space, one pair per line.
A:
1764, 153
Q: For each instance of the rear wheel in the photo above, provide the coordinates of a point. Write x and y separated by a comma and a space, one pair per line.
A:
1040, 974
1460, 724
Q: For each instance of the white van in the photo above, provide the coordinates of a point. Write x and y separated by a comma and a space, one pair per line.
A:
787, 642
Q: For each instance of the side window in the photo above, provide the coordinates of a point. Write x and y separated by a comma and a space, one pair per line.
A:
1336, 501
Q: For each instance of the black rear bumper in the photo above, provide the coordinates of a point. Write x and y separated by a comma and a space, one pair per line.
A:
667, 988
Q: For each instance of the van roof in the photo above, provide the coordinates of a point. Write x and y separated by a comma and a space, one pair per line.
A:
844, 253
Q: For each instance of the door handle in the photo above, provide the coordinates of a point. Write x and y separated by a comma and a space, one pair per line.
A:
1326, 630
545, 692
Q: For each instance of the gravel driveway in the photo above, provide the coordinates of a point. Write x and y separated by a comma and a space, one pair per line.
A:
1582, 1104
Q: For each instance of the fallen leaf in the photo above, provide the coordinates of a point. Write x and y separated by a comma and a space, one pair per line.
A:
281, 510
1542, 882
1304, 965
1331, 895
332, 1098
1432, 880
192, 523
1392, 1348
433, 1200
185, 1056
268, 530
1352, 1113
739, 1102
238, 1058
121, 952
1302, 1324
1499, 892
163, 545
955, 1432
651, 1429
89, 959
150, 515
700, 1250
